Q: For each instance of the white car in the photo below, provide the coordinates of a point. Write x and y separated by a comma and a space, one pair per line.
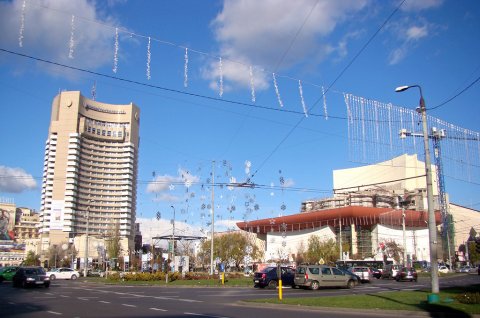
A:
443, 269
63, 273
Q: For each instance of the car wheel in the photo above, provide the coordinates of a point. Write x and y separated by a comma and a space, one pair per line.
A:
2, 279
23, 284
272, 284
315, 285
74, 277
350, 284
52, 277
47, 285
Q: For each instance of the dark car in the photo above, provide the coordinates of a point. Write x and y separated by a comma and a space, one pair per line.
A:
6, 273
30, 276
406, 273
268, 277
377, 273
354, 276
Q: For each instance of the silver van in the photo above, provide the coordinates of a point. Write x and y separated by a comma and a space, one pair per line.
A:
390, 271
316, 276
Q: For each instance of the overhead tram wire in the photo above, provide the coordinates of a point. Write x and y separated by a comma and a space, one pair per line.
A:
217, 99
328, 88
456, 95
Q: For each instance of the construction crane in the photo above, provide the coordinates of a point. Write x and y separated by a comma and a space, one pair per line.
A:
437, 135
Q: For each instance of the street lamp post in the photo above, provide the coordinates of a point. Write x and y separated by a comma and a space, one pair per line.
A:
86, 239
432, 229
173, 238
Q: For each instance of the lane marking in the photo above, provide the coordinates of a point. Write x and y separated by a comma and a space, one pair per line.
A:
128, 305
210, 316
64, 296
157, 309
104, 301
54, 312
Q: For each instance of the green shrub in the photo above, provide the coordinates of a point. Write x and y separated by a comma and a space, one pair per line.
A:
469, 298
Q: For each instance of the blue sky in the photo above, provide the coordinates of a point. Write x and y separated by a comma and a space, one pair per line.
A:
366, 48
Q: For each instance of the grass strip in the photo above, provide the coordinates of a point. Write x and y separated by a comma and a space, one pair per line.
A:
395, 300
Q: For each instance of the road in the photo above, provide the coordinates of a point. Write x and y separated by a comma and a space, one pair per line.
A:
80, 299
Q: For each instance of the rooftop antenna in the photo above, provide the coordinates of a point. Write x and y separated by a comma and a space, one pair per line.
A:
94, 90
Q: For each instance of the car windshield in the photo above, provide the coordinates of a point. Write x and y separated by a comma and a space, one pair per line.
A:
32, 271
267, 269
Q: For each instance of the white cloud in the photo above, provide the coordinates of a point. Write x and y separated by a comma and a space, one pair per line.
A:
47, 31
153, 228
15, 180
416, 33
225, 225
288, 183
260, 33
418, 5
161, 184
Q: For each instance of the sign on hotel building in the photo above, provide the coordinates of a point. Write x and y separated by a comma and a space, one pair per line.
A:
90, 173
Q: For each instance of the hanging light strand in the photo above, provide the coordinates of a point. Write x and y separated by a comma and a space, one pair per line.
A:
72, 38
115, 53
149, 58
185, 69
22, 24
276, 90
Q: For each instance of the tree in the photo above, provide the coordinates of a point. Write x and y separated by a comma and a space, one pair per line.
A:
60, 255
393, 250
230, 248
300, 256
32, 259
114, 247
327, 250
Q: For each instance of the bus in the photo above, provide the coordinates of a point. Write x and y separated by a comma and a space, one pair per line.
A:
372, 264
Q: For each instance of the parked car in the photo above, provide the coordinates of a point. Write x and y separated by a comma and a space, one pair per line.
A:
390, 271
365, 273
316, 276
465, 269
443, 269
7, 272
63, 273
95, 273
406, 273
355, 277
30, 276
377, 273
268, 277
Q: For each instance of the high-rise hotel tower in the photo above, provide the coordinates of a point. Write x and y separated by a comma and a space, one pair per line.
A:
90, 173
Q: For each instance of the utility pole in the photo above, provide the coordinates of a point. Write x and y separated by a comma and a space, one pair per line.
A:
86, 240
432, 227
405, 263
213, 217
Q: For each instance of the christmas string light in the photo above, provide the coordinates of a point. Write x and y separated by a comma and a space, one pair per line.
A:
252, 84
324, 103
301, 98
220, 71
72, 36
115, 53
149, 58
185, 69
22, 24
276, 90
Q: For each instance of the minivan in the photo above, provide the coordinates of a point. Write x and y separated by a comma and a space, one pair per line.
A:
390, 271
316, 276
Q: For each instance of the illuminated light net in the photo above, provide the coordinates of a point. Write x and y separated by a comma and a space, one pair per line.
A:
373, 136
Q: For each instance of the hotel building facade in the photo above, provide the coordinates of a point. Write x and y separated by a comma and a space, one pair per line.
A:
90, 175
